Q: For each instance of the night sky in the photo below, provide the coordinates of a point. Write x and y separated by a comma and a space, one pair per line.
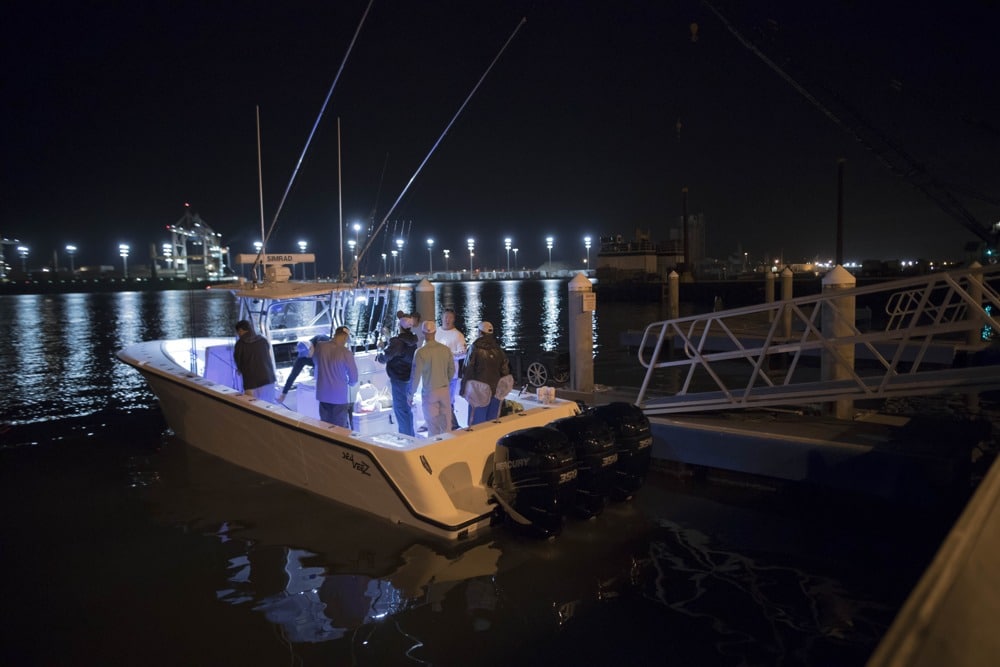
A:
592, 121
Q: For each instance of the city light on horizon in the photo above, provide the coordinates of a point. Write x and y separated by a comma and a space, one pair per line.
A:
123, 250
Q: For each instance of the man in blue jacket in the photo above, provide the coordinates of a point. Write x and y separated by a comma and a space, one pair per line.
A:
336, 373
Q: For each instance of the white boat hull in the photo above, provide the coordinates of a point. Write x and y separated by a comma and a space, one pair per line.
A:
437, 484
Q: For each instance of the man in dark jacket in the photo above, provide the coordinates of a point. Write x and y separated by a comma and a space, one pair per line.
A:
487, 363
398, 366
252, 354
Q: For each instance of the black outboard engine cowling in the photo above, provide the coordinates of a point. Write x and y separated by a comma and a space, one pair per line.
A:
534, 478
596, 457
633, 440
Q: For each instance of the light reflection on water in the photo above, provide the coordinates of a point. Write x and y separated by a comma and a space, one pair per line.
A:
246, 570
61, 354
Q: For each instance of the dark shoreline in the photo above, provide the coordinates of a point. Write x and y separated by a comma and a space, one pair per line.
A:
90, 285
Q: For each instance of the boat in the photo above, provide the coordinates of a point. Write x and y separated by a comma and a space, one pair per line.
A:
439, 485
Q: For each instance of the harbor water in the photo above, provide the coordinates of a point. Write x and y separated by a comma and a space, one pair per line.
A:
122, 545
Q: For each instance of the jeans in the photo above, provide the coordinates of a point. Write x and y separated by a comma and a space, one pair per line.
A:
335, 413
486, 413
300, 363
401, 405
453, 388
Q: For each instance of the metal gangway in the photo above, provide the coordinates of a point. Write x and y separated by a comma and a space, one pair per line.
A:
938, 329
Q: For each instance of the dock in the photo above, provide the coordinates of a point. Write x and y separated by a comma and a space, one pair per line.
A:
765, 426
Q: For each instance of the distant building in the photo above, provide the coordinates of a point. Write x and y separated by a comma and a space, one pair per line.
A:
636, 259
642, 258
195, 250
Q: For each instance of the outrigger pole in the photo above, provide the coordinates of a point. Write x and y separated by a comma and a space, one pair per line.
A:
312, 132
375, 232
258, 261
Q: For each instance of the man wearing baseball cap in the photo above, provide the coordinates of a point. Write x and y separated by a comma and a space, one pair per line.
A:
486, 363
433, 368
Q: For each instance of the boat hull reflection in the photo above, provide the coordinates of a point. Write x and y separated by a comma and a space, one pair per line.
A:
337, 575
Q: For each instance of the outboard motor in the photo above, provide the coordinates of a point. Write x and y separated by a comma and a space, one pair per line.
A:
633, 441
534, 478
596, 457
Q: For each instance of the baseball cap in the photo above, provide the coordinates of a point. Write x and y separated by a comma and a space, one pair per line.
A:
428, 327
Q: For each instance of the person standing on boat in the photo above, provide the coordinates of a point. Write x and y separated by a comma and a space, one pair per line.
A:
304, 358
449, 336
252, 355
433, 369
336, 372
486, 363
418, 329
399, 366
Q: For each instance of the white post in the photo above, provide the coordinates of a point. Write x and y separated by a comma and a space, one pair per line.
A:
675, 295
425, 304
769, 292
582, 302
838, 322
786, 295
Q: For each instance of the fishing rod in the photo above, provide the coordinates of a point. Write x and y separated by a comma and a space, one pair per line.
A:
354, 270
370, 222
312, 132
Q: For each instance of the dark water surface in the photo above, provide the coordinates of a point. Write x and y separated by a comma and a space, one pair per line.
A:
124, 546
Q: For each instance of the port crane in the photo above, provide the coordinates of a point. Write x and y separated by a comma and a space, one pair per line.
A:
4, 242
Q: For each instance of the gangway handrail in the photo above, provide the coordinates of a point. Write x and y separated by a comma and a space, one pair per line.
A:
931, 318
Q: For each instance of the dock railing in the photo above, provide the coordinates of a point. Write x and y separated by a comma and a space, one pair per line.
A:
937, 337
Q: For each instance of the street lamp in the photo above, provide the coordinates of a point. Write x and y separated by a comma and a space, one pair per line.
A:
399, 246
351, 245
385, 271
548, 244
586, 244
395, 254
123, 251
515, 257
506, 245
357, 230
447, 254
22, 251
472, 247
302, 249
71, 250
430, 256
